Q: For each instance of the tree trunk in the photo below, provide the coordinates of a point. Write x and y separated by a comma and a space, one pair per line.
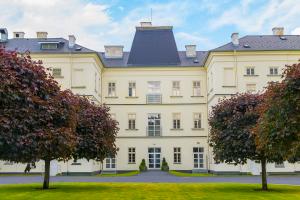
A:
264, 183
47, 174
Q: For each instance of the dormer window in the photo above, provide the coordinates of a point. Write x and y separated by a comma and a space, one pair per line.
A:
49, 45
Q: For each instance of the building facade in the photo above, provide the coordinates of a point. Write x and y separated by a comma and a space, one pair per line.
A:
160, 96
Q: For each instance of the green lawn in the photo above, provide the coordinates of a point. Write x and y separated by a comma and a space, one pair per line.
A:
132, 173
90, 191
182, 174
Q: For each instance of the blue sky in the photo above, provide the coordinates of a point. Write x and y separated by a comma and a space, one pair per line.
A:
96, 23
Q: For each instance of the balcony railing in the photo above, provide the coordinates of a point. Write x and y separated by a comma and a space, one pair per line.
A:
154, 98
154, 131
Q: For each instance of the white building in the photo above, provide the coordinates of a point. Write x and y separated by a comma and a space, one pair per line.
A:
160, 96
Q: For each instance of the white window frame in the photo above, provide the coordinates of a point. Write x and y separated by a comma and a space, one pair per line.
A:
175, 88
177, 155
131, 121
131, 89
197, 119
154, 87
272, 71
196, 88
131, 155
176, 121
112, 89
110, 162
250, 71
55, 73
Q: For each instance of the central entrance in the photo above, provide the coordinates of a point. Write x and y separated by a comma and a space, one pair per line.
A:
154, 157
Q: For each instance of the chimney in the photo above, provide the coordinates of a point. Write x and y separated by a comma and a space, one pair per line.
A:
72, 41
41, 35
18, 34
3, 35
278, 31
114, 51
190, 51
146, 24
235, 39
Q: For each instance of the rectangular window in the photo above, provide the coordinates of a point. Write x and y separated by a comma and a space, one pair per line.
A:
197, 120
110, 162
198, 157
49, 46
154, 87
250, 71
279, 165
131, 121
176, 121
251, 87
56, 72
111, 89
196, 88
273, 70
131, 89
131, 155
177, 155
176, 88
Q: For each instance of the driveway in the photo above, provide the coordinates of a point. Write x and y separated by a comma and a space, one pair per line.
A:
154, 177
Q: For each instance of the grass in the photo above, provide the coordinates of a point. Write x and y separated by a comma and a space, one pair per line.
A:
202, 191
183, 174
22, 174
132, 173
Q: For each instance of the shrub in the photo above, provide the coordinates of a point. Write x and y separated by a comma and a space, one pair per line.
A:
143, 166
164, 165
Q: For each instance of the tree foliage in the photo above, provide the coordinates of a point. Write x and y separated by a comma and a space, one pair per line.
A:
278, 128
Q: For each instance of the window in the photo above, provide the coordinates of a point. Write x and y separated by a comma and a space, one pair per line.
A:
49, 46
176, 121
198, 157
153, 87
250, 71
197, 120
279, 165
273, 70
251, 87
131, 89
154, 127
111, 89
131, 155
56, 72
131, 121
177, 155
176, 88
196, 88
110, 162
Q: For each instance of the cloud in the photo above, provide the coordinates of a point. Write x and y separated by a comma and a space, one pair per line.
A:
194, 38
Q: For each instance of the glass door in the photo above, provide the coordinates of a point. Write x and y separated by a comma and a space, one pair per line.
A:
110, 163
154, 157
198, 157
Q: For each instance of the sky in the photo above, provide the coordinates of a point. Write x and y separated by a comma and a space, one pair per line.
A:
95, 23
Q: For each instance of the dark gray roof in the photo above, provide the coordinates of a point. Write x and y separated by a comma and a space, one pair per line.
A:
263, 43
184, 61
33, 45
153, 46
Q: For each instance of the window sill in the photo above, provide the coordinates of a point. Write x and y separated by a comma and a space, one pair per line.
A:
131, 129
176, 129
228, 86
115, 97
250, 75
78, 87
196, 96
58, 77
197, 129
133, 97
274, 75
175, 96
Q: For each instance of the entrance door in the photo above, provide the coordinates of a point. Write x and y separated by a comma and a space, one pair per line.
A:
154, 157
198, 157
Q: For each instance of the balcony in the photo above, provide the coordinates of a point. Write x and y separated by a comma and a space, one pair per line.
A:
154, 131
154, 98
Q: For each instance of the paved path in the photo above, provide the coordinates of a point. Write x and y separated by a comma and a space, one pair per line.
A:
154, 176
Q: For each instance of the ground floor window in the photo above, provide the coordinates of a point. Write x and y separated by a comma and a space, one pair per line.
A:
198, 157
131, 155
177, 155
110, 162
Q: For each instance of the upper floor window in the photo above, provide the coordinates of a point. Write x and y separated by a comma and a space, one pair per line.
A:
197, 120
154, 86
251, 87
131, 121
196, 88
111, 89
131, 89
56, 72
273, 70
250, 71
176, 121
176, 88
